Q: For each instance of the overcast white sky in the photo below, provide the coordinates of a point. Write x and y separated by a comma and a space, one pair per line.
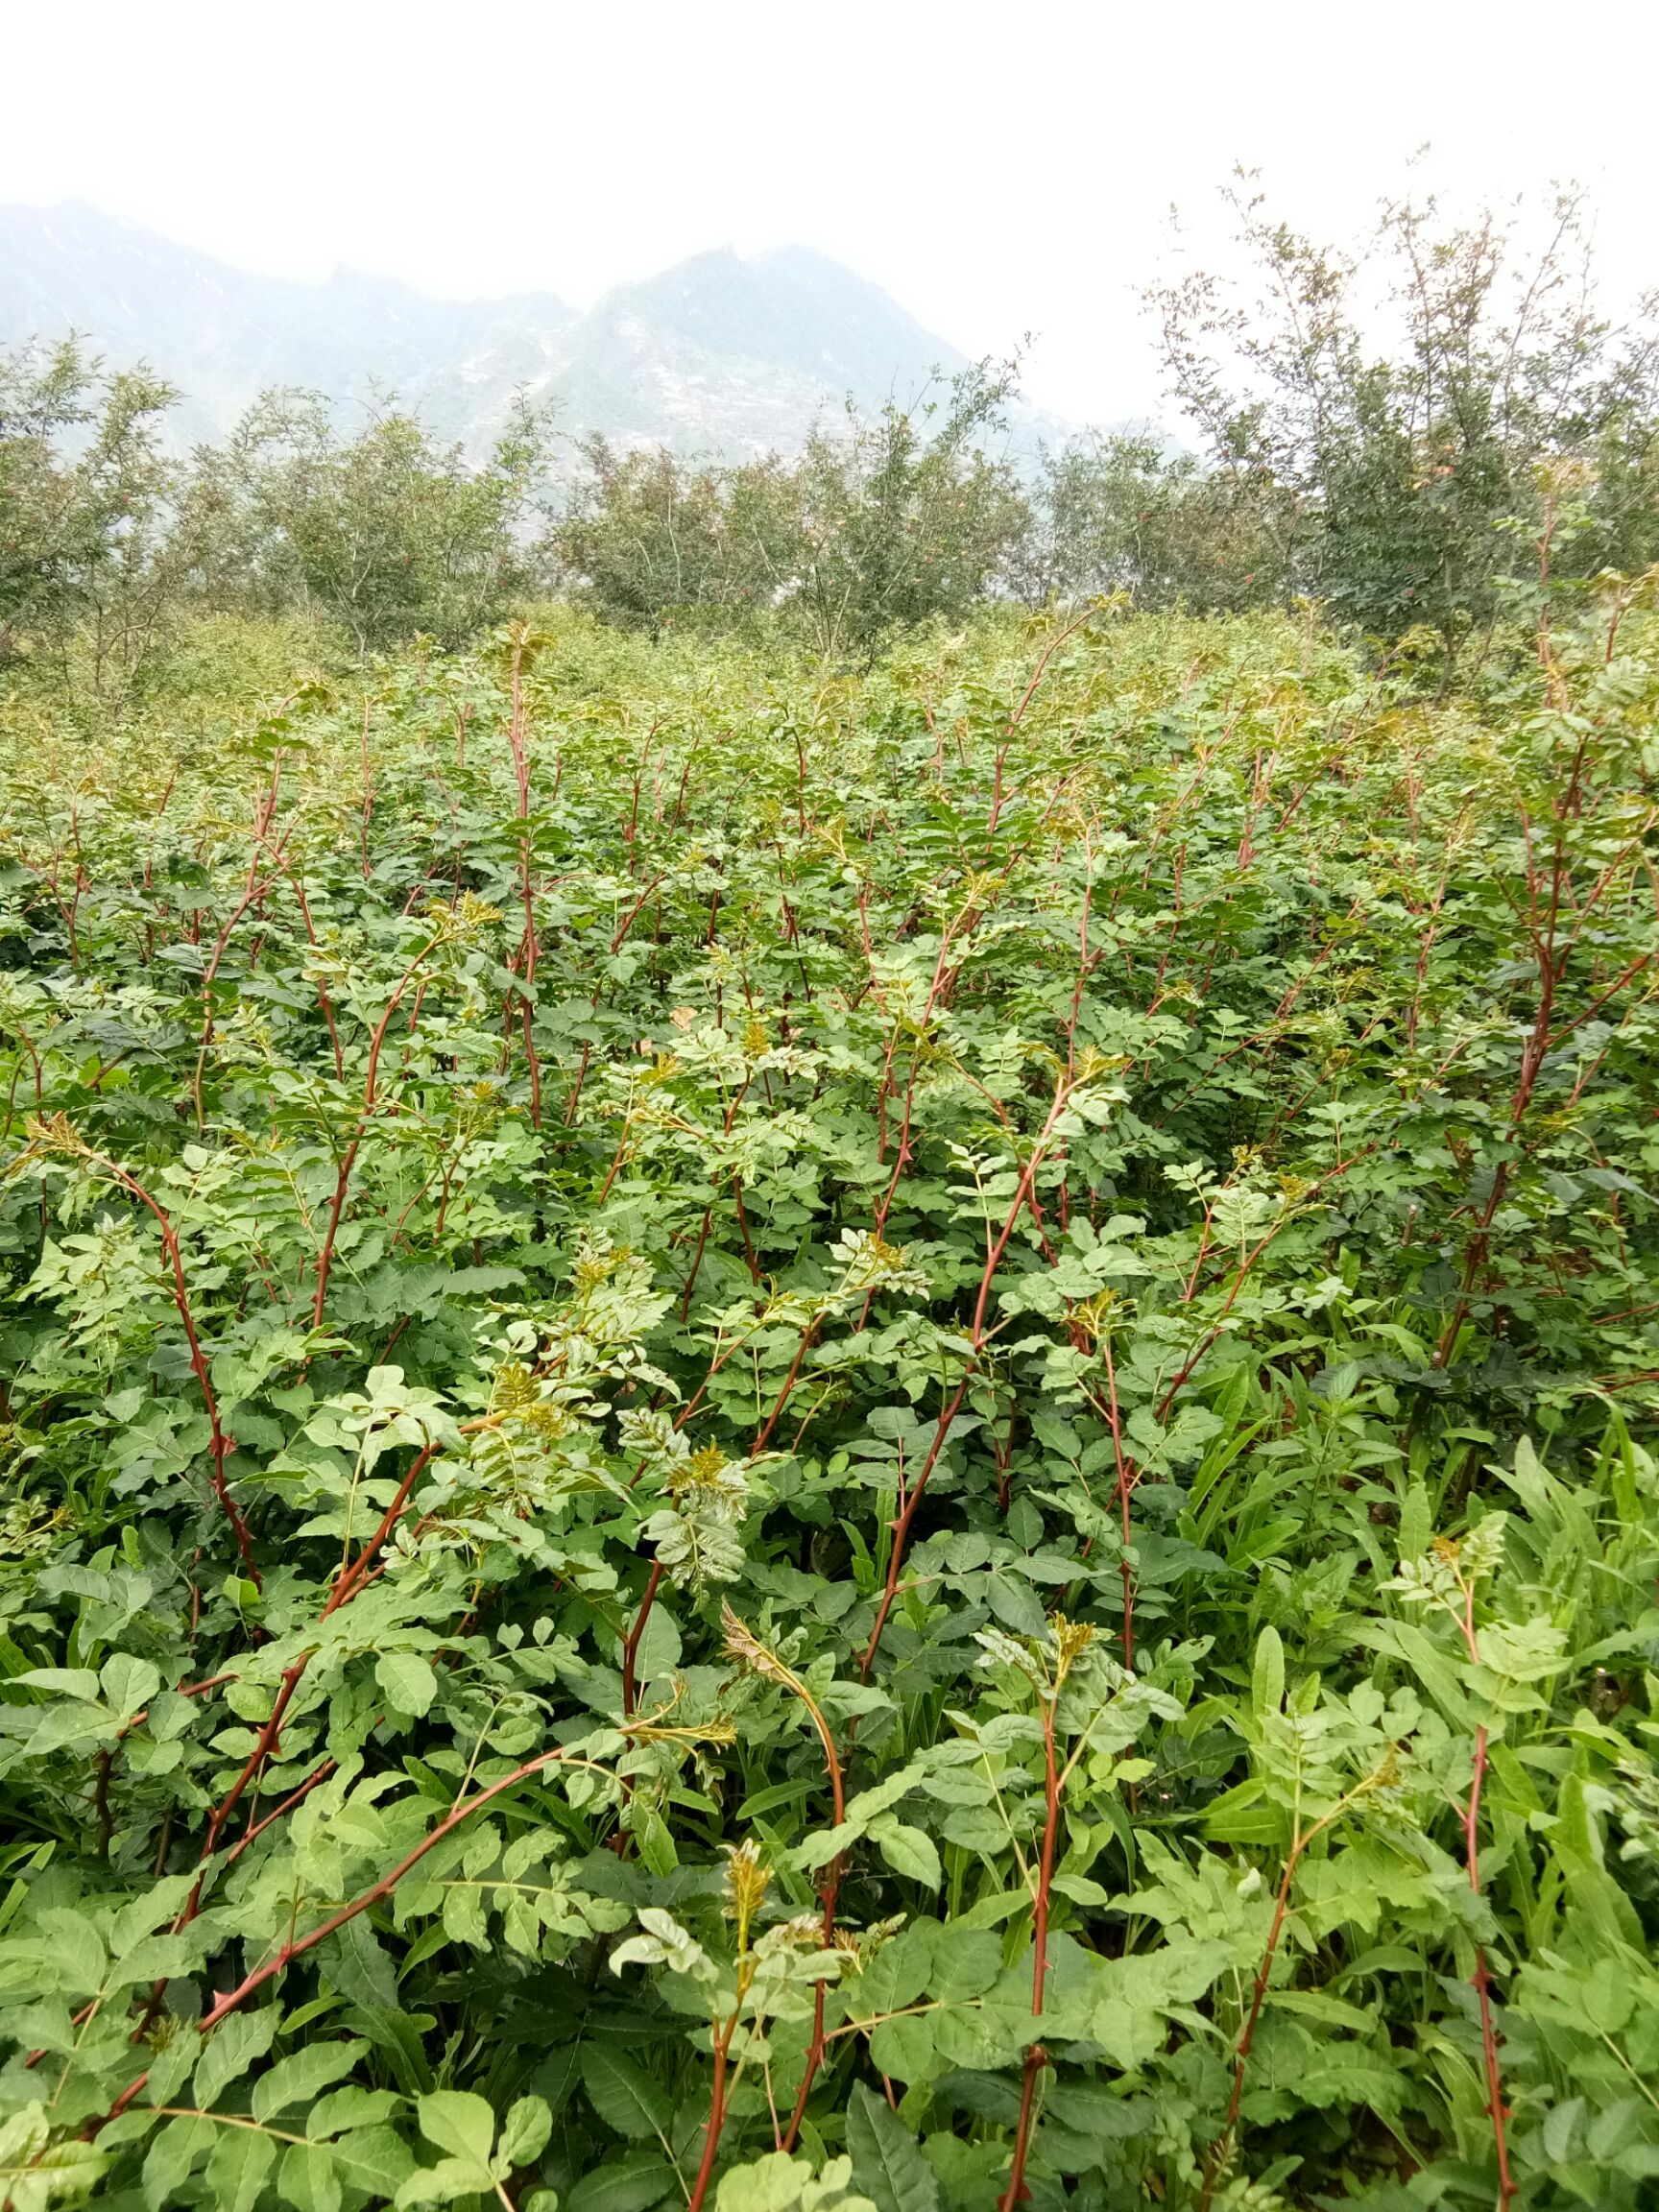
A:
998, 169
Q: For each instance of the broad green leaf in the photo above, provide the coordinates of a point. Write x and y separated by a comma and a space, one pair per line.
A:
458, 2121
309, 2178
302, 2076
627, 2184
887, 2162
1267, 1677
908, 1851
128, 1683
174, 2151
903, 2047
237, 2168
231, 2048
408, 1681
524, 2133
625, 2096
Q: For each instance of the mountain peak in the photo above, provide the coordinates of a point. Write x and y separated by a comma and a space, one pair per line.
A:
721, 353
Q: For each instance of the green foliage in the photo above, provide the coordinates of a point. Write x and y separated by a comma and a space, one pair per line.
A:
107, 545
1406, 484
1124, 514
878, 526
87, 551
648, 537
389, 533
833, 1446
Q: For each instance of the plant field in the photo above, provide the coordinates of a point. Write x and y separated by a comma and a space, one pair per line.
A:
804, 1443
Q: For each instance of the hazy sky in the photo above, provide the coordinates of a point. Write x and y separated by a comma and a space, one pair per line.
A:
999, 170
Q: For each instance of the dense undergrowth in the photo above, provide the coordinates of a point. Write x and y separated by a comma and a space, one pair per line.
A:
822, 1443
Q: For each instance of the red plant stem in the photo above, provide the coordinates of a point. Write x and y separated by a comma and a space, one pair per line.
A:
1220, 2149
234, 1999
696, 1264
763, 1434
831, 1892
343, 1180
219, 1442
743, 1226
1037, 2057
368, 788
966, 918
516, 738
351, 1578
264, 1744
633, 915
631, 1649
256, 891
1185, 1372
978, 1337
349, 1581
716, 2117
1495, 2105
1038, 673
1128, 1475
298, 1796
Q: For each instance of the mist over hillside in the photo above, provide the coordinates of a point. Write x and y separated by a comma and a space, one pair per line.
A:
719, 353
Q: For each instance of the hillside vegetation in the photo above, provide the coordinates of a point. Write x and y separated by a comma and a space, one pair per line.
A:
834, 1440
1419, 475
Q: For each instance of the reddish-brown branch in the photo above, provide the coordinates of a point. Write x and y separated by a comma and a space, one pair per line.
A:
1037, 2057
349, 1159
717, 2116
631, 1649
219, 1442
764, 1435
978, 1337
1494, 2106
298, 1946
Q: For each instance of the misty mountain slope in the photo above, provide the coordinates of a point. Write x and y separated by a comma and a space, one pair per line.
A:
717, 354
223, 335
741, 354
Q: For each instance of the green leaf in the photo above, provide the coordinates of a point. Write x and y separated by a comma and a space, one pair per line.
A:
78, 1682
524, 2133
887, 2161
170, 2158
309, 2178
408, 1680
776, 2183
908, 1851
459, 2122
623, 2185
128, 1683
300, 2078
964, 1962
903, 2047
1267, 1675
237, 2167
443, 2184
373, 2159
358, 1964
231, 2048
36, 2171
350, 2108
625, 2096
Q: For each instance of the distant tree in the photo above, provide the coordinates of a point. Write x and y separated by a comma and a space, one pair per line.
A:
904, 518
646, 534
1388, 476
877, 525
1124, 512
87, 546
390, 533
